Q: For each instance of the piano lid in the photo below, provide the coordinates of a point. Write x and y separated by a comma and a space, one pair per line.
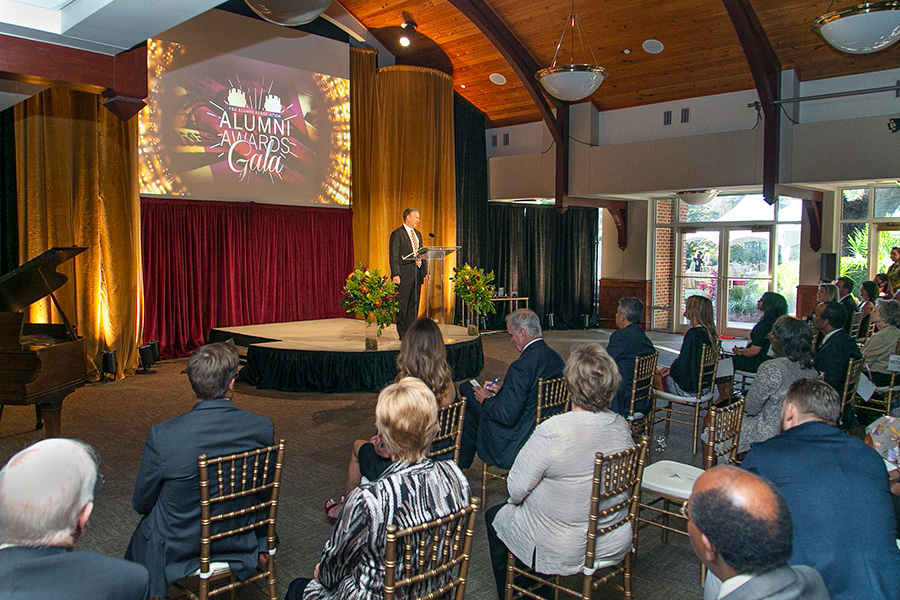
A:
36, 279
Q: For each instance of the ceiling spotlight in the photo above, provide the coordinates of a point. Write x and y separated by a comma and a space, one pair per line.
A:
409, 30
861, 29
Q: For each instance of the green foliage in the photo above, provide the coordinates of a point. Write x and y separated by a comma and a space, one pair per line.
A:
854, 258
742, 300
473, 287
371, 294
787, 277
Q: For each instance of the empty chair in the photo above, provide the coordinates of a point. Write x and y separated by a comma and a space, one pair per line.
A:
641, 392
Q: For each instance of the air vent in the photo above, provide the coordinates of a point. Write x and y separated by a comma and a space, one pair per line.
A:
667, 117
493, 141
506, 139
685, 115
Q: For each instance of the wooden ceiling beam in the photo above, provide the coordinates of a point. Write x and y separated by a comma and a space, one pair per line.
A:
766, 71
525, 66
618, 210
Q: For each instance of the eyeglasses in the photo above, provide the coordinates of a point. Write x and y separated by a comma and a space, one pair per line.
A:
685, 509
100, 481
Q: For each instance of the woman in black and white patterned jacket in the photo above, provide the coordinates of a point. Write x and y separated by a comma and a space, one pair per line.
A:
413, 490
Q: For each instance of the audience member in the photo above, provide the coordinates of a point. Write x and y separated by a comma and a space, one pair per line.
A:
413, 490
868, 294
845, 297
500, 419
424, 356
883, 343
167, 491
826, 292
837, 348
837, 490
625, 344
740, 528
881, 279
750, 358
545, 520
46, 498
893, 272
683, 376
792, 344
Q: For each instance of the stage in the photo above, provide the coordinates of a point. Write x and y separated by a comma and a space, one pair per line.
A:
328, 355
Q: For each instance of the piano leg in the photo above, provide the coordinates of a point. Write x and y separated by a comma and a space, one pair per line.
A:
51, 418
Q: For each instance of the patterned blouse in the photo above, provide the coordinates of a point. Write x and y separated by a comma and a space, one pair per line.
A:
762, 407
352, 564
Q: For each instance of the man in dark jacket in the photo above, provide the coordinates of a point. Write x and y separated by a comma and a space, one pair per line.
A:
837, 348
167, 490
500, 419
626, 344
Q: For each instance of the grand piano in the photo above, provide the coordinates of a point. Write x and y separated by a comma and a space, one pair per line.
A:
40, 364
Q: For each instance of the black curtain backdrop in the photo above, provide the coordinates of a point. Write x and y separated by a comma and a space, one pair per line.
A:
9, 228
533, 250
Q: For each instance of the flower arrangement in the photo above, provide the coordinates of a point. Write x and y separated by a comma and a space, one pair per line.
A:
371, 294
473, 287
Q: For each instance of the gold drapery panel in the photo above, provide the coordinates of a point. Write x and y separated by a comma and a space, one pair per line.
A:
413, 165
77, 179
363, 64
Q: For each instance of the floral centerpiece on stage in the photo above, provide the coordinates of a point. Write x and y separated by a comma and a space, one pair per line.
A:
473, 287
373, 295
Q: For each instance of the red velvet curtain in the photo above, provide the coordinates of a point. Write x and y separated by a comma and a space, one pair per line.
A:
217, 264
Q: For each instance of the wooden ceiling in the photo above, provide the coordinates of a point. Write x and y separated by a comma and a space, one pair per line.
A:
702, 54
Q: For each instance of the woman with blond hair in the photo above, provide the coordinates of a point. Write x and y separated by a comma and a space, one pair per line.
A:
413, 490
424, 356
682, 377
545, 519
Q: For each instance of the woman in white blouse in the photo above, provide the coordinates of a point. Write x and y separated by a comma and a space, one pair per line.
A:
878, 350
544, 523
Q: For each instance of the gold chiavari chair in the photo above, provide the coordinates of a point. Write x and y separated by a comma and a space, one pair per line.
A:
692, 404
883, 399
238, 493
614, 475
428, 556
641, 389
848, 390
450, 423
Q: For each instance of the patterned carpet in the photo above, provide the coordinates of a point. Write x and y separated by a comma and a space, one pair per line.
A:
319, 429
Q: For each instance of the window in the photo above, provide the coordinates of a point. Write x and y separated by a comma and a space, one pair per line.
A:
870, 226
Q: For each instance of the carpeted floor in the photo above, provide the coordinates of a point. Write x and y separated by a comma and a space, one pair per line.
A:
319, 429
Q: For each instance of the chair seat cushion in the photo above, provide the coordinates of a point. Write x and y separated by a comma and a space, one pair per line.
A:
661, 395
214, 568
886, 388
670, 478
636, 417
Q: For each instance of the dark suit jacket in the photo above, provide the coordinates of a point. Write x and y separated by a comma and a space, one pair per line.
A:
836, 488
508, 418
624, 346
400, 246
833, 357
167, 493
850, 305
53, 573
782, 583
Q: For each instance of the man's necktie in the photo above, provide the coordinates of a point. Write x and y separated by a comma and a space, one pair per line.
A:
414, 239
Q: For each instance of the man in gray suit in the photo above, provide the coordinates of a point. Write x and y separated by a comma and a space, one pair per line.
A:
740, 528
46, 498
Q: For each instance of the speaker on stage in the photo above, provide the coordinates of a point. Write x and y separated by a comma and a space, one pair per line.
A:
828, 266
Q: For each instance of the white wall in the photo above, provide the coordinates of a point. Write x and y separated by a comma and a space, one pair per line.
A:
850, 107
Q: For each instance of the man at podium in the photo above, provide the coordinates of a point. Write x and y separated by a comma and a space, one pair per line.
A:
407, 270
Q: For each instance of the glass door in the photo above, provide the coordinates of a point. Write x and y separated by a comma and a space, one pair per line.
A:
749, 276
732, 266
697, 269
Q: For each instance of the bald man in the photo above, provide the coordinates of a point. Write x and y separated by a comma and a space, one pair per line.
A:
740, 528
46, 498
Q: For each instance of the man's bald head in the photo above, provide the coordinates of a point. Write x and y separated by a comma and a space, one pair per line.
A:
743, 517
46, 493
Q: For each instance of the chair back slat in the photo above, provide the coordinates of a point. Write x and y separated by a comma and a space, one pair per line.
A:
614, 475
709, 361
552, 399
430, 550
642, 383
724, 428
851, 381
855, 320
450, 424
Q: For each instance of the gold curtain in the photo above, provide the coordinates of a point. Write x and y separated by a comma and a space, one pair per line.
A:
77, 179
413, 165
363, 63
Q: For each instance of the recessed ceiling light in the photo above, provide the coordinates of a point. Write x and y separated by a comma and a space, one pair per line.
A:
497, 78
626, 51
652, 46
462, 85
